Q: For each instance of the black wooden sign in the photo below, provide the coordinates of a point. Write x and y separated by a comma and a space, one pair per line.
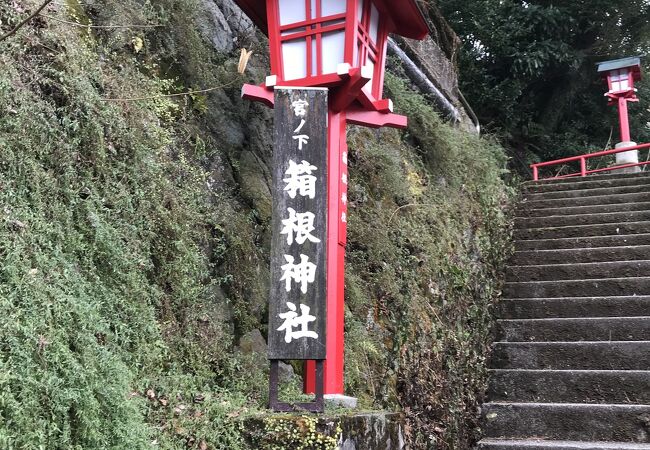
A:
297, 304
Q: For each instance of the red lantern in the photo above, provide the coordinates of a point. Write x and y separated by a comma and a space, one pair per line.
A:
340, 44
621, 74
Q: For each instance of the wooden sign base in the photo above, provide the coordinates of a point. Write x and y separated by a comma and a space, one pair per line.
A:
316, 406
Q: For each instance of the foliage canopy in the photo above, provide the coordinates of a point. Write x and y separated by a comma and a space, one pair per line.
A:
528, 68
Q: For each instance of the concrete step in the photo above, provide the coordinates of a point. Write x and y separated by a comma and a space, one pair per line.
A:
568, 421
586, 183
614, 355
570, 386
538, 444
589, 209
637, 188
587, 242
540, 308
606, 199
578, 288
574, 329
593, 177
582, 219
578, 271
580, 255
607, 229
571, 367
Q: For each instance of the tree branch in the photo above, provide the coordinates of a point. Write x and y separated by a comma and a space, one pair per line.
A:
180, 94
81, 25
22, 24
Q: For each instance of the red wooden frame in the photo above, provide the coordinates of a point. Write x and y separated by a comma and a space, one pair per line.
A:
357, 38
631, 77
583, 163
403, 17
373, 51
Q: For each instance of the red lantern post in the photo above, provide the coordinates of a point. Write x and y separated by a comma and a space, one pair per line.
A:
621, 74
341, 45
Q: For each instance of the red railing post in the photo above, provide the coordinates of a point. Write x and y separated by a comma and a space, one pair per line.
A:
535, 173
583, 167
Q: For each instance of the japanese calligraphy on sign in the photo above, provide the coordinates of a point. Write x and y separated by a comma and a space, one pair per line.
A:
297, 304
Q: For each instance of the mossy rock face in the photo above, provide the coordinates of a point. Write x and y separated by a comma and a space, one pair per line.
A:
367, 431
254, 184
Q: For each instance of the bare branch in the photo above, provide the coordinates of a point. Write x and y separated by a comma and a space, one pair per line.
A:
81, 25
410, 205
22, 24
180, 94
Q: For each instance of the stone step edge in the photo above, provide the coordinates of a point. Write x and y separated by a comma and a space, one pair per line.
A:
592, 263
584, 371
595, 200
585, 185
565, 319
522, 444
589, 255
573, 239
576, 179
573, 343
523, 208
584, 193
588, 179
585, 421
534, 229
633, 268
584, 250
613, 297
591, 280
596, 193
606, 214
631, 406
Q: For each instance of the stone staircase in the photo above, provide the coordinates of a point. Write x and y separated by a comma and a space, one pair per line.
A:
571, 365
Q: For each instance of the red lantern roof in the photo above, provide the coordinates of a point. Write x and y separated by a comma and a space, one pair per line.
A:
631, 63
405, 15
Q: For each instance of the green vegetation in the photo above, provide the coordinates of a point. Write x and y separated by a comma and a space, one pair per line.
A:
295, 432
134, 233
528, 69
421, 285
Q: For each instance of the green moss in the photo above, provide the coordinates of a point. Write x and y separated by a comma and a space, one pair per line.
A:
420, 287
299, 433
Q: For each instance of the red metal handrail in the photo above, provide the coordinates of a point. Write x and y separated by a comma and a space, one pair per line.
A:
583, 162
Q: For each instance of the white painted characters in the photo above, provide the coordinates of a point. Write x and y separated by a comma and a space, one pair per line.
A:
302, 139
300, 107
300, 179
292, 320
303, 273
300, 110
302, 124
299, 227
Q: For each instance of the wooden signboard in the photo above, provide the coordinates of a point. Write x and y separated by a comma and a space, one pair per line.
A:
297, 303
